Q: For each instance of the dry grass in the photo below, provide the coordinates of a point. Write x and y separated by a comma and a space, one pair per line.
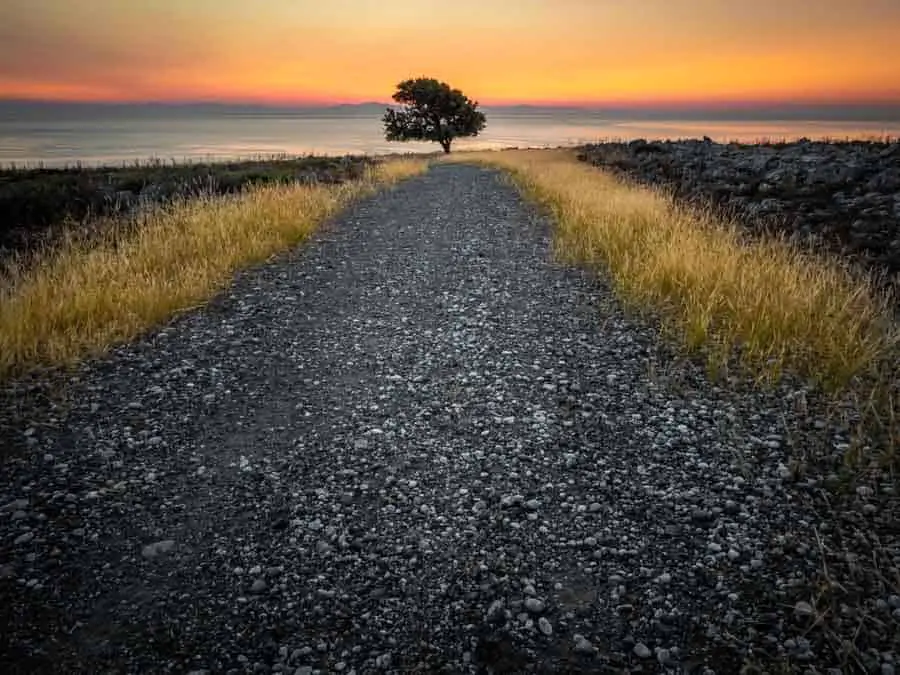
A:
82, 297
772, 306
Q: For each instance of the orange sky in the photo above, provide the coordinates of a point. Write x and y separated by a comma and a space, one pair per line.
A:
496, 51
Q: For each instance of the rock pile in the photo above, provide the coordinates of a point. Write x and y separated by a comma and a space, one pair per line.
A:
843, 196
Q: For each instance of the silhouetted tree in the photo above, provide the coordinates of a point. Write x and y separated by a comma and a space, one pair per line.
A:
431, 111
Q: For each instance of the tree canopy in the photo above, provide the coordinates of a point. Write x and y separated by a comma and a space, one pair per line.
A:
432, 111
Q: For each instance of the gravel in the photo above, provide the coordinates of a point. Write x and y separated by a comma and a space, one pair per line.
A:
419, 444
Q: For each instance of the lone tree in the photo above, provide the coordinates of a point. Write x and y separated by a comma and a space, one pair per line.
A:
431, 111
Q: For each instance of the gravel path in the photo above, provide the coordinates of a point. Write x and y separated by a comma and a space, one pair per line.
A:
417, 444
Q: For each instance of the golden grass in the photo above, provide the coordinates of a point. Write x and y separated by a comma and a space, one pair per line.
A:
778, 307
82, 297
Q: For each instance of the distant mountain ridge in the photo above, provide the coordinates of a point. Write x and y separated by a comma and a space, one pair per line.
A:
12, 109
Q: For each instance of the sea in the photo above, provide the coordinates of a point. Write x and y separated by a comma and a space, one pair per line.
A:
58, 135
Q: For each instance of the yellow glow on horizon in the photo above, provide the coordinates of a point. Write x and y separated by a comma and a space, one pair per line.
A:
287, 51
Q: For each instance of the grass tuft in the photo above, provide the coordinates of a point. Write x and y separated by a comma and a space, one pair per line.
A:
81, 296
775, 306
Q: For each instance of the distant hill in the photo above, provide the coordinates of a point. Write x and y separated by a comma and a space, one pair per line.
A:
43, 110
13, 109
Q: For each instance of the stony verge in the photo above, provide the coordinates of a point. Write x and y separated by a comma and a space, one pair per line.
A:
419, 445
845, 196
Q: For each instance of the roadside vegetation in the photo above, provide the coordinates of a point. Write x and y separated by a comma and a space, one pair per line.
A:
89, 291
39, 204
765, 305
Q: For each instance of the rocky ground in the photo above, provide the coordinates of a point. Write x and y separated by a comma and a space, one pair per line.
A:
419, 445
841, 196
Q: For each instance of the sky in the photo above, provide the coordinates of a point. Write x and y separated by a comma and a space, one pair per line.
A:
581, 52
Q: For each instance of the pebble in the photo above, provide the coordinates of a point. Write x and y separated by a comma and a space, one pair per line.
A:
23, 538
534, 605
583, 645
642, 651
157, 548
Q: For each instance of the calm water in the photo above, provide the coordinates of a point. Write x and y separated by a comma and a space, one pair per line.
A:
60, 137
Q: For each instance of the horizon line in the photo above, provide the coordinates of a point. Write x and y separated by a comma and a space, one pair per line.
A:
598, 104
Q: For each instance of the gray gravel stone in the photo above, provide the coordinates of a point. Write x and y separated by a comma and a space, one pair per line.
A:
157, 548
534, 605
23, 538
583, 645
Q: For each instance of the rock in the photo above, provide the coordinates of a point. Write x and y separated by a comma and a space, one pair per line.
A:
804, 609
511, 500
158, 548
534, 605
23, 538
583, 645
15, 505
642, 651
495, 612
545, 626
258, 586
